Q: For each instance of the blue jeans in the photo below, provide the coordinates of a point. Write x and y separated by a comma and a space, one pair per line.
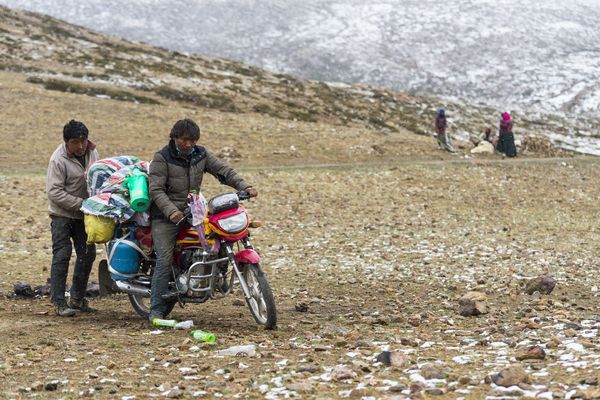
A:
164, 237
64, 230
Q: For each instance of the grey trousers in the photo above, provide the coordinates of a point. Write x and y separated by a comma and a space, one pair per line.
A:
164, 237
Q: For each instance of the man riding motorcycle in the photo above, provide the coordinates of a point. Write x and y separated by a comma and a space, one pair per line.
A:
175, 171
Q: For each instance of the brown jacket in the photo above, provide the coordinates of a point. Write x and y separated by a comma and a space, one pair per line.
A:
65, 182
172, 177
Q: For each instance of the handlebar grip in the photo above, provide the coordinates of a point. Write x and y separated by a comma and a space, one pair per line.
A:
243, 195
187, 213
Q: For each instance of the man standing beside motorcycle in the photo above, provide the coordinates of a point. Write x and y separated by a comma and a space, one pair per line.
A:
67, 188
177, 169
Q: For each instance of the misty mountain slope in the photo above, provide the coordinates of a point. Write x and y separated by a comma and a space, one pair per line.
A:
64, 57
509, 54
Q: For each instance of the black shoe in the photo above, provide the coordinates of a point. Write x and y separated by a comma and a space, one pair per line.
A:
82, 305
63, 310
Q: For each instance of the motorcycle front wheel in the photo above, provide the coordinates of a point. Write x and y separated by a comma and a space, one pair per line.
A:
141, 305
261, 301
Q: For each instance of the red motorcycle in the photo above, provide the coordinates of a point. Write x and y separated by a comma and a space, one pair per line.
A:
201, 272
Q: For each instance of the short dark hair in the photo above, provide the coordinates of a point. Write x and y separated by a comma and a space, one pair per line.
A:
185, 128
75, 130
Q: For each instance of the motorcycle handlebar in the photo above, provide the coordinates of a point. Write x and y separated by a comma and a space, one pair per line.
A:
187, 212
243, 195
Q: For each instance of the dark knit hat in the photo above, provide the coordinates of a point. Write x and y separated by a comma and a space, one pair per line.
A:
75, 130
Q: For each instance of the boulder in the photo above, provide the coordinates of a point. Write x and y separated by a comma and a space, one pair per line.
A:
542, 284
483, 147
472, 304
510, 376
531, 353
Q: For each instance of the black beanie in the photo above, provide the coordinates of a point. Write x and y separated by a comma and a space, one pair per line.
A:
75, 130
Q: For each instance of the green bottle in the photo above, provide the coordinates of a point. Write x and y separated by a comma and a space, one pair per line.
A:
203, 336
164, 323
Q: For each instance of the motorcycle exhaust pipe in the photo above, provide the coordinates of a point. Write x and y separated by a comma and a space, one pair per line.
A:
133, 288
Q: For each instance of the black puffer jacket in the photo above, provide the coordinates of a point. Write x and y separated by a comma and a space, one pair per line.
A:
172, 177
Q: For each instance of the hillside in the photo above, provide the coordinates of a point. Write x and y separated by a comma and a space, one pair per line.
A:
541, 55
148, 88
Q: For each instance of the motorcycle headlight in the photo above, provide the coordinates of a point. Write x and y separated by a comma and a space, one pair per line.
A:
235, 223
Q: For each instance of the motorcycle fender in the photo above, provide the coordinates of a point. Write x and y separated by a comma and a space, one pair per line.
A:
247, 256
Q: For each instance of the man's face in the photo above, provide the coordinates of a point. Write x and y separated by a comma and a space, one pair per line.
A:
77, 147
185, 144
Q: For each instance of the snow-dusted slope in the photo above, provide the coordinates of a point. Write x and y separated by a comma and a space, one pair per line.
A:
540, 54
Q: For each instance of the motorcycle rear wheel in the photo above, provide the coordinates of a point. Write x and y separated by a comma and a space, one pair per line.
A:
261, 301
141, 305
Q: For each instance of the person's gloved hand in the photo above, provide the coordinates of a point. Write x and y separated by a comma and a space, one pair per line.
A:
252, 192
176, 217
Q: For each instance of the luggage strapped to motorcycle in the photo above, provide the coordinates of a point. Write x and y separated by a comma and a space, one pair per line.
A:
112, 252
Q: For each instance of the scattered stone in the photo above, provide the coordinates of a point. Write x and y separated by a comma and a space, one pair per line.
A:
51, 386
311, 368
573, 325
238, 303
363, 344
301, 307
435, 391
570, 333
464, 380
396, 388
173, 393
553, 343
229, 153
416, 388
592, 381
430, 371
409, 342
333, 331
343, 372
509, 376
301, 387
415, 320
473, 304
542, 284
393, 358
531, 353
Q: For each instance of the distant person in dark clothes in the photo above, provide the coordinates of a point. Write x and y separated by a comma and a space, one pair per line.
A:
506, 138
440, 129
487, 135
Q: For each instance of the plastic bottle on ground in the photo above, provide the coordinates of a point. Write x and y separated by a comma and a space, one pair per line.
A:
203, 336
248, 350
184, 325
164, 323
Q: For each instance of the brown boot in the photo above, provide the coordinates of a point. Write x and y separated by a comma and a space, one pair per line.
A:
81, 305
63, 310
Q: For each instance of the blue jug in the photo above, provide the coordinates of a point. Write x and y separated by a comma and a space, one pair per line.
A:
123, 258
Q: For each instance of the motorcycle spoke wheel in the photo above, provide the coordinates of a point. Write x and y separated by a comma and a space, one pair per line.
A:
261, 301
141, 305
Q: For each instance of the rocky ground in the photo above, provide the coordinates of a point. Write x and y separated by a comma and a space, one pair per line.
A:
399, 270
368, 266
